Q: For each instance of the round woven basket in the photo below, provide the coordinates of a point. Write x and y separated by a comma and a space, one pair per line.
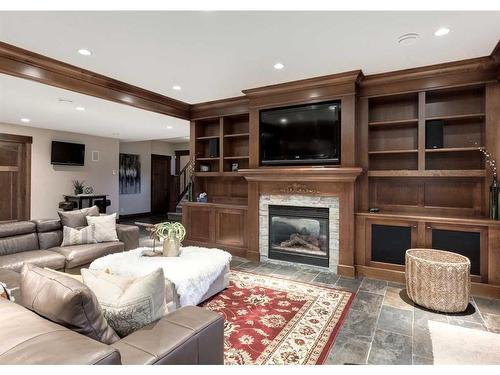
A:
438, 280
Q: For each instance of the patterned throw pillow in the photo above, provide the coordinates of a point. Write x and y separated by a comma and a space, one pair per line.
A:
105, 227
72, 236
128, 303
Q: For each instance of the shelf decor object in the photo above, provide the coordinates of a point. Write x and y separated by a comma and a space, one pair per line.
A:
172, 234
494, 187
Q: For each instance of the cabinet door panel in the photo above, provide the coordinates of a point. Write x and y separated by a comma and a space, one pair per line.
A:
199, 223
388, 241
230, 227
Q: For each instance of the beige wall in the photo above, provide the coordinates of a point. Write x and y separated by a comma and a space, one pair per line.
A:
49, 183
141, 203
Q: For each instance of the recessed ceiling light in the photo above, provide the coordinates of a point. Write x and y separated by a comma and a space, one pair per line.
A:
176, 87
283, 120
80, 108
24, 119
169, 126
441, 31
408, 39
278, 66
84, 52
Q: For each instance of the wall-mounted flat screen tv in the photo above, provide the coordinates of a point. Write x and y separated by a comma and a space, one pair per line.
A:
64, 153
300, 135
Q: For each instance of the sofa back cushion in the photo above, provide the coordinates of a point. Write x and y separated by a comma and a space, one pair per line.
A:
49, 233
77, 218
65, 301
18, 236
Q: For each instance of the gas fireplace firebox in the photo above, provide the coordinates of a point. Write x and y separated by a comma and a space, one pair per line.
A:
299, 234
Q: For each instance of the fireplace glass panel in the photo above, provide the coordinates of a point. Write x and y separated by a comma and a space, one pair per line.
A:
299, 234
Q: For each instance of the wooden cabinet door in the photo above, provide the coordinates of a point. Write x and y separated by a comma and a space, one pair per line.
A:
387, 242
230, 227
199, 223
470, 241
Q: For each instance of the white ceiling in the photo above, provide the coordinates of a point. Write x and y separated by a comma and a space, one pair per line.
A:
20, 98
214, 55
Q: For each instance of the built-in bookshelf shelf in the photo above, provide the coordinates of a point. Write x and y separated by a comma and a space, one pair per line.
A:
431, 173
383, 152
236, 157
207, 159
466, 116
452, 149
237, 135
206, 138
389, 123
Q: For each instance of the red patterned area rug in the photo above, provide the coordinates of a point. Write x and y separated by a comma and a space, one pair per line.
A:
269, 320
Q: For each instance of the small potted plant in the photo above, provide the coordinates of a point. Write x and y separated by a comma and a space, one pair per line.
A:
78, 186
172, 235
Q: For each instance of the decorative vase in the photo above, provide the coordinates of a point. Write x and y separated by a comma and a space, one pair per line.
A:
171, 247
494, 199
78, 191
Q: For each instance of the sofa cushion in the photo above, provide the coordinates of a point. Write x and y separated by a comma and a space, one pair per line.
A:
17, 228
29, 339
41, 258
79, 255
17, 244
77, 218
47, 240
47, 225
65, 301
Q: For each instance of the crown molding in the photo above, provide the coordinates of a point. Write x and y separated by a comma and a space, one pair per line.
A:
25, 64
223, 107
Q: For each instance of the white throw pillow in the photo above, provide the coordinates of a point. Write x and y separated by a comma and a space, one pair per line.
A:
128, 303
73, 236
105, 227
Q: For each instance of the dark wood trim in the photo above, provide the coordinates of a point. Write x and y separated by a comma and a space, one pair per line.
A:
311, 90
216, 108
25, 64
457, 73
15, 138
295, 174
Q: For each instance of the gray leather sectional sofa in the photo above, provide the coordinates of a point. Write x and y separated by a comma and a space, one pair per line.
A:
38, 242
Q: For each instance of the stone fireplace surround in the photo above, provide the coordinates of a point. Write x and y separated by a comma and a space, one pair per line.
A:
311, 185
332, 203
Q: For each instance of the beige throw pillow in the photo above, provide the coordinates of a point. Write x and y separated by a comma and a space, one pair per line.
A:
105, 227
128, 303
72, 236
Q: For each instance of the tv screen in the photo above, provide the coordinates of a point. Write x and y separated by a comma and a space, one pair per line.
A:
305, 134
67, 153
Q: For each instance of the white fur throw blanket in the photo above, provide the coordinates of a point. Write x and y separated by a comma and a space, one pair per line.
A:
192, 272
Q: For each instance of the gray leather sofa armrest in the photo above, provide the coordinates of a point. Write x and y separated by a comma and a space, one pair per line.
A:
188, 336
129, 235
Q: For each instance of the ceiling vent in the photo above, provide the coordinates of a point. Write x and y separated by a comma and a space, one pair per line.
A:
408, 39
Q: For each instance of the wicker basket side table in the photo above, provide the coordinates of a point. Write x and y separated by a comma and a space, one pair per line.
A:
438, 280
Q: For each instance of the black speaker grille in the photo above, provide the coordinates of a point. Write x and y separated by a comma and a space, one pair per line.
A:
464, 243
389, 243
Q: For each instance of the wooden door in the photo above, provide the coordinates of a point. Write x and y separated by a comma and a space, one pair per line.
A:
15, 173
160, 181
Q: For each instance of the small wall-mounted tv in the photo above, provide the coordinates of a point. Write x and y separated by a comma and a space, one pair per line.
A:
64, 153
301, 135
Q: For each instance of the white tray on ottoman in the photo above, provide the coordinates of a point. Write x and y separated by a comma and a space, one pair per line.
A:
196, 275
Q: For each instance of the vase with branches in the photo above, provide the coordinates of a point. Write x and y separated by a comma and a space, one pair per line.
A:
494, 187
172, 234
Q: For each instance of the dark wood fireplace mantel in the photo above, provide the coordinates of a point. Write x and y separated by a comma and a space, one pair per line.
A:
314, 181
301, 174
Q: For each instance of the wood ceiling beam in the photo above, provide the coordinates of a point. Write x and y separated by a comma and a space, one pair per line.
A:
25, 64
